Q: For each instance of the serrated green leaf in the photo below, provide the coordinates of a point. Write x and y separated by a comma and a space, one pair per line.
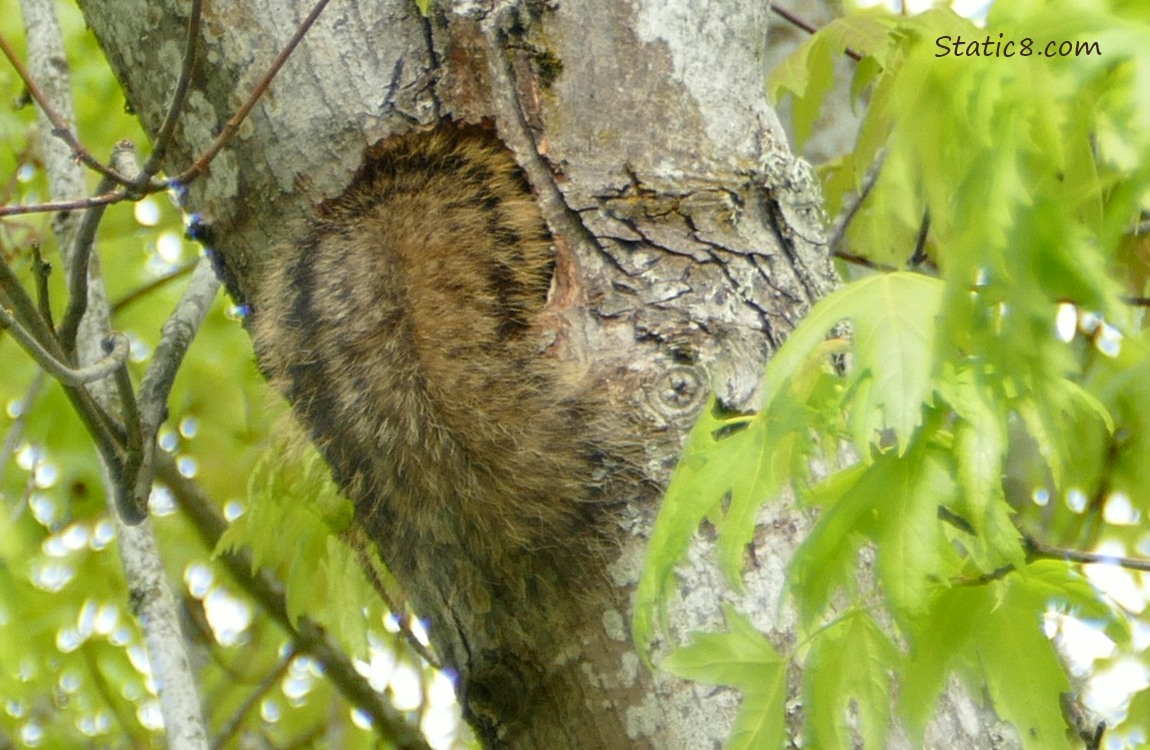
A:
825, 561
995, 632
704, 476
741, 658
1014, 643
734, 658
940, 639
760, 722
894, 503
894, 337
808, 73
911, 559
1061, 584
849, 670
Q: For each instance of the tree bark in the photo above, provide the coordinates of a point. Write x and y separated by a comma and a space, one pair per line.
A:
691, 235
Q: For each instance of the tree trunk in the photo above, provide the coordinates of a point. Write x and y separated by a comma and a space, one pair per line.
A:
688, 239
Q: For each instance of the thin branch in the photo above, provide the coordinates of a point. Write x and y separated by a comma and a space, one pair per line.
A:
810, 28
25, 310
179, 97
143, 291
117, 355
60, 127
367, 563
860, 260
132, 508
308, 636
237, 720
233, 124
981, 580
103, 199
100, 426
919, 255
844, 219
81, 252
41, 269
947, 515
176, 337
112, 697
1037, 550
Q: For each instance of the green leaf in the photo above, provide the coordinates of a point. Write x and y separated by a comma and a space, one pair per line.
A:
980, 449
741, 658
995, 632
894, 330
725, 457
1012, 642
849, 671
912, 551
808, 73
893, 502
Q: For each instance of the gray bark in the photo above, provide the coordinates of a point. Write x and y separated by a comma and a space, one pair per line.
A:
667, 181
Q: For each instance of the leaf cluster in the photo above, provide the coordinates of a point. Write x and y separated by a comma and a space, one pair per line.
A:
986, 390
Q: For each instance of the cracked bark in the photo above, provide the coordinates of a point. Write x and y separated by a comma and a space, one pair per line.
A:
691, 236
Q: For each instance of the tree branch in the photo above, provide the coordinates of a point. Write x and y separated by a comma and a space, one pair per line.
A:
1037, 550
150, 597
60, 127
179, 97
117, 354
79, 260
177, 335
308, 636
229, 730
809, 27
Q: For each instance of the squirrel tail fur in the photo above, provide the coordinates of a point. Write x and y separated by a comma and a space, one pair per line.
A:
405, 327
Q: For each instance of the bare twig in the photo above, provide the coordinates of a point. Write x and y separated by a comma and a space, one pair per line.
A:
397, 608
60, 127
103, 199
133, 509
179, 97
810, 28
143, 291
865, 262
177, 335
81, 252
41, 269
25, 310
117, 355
237, 719
919, 255
843, 221
308, 636
241, 114
100, 426
1037, 550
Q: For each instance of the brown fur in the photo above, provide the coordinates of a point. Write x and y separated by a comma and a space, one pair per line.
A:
405, 328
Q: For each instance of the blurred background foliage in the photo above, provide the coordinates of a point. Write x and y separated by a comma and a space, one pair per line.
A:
73, 669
